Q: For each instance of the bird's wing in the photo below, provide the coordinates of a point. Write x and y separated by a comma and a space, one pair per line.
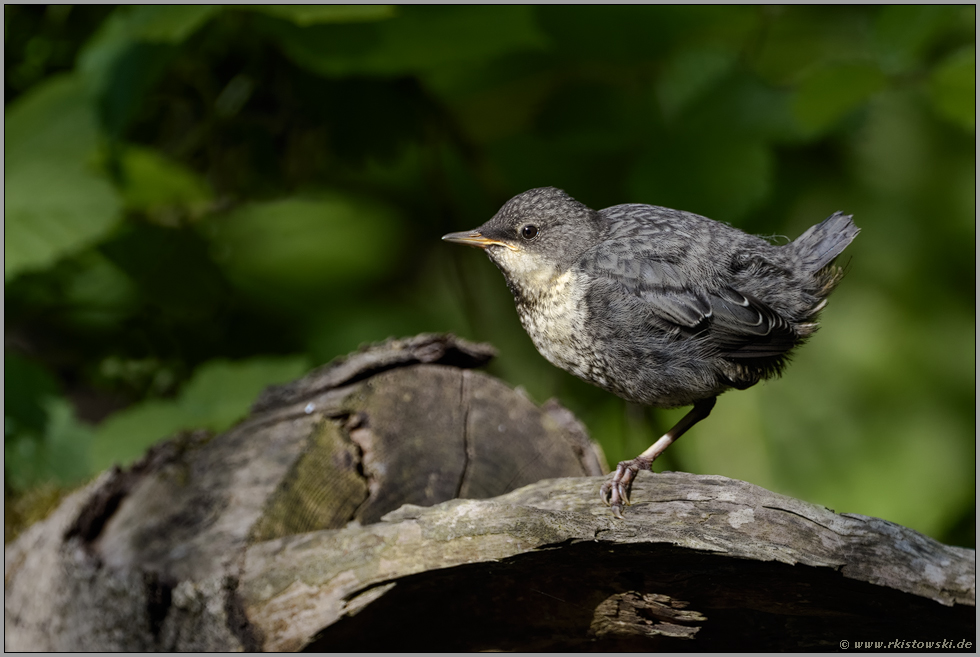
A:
745, 328
739, 326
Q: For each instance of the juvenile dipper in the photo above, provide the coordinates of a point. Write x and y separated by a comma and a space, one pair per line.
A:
659, 306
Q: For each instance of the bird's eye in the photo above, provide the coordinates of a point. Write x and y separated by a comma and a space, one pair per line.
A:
529, 232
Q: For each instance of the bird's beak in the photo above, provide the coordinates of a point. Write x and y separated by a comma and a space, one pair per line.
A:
473, 238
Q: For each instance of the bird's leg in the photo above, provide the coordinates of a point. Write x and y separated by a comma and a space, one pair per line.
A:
616, 491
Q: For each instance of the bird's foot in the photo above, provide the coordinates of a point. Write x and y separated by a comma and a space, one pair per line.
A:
616, 492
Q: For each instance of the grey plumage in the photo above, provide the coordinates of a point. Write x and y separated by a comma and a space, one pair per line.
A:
659, 306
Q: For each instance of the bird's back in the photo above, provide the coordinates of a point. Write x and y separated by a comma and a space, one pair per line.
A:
682, 307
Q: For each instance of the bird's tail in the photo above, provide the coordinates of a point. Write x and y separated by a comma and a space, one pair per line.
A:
819, 245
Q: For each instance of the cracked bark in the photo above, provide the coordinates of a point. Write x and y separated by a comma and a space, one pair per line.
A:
468, 456
327, 514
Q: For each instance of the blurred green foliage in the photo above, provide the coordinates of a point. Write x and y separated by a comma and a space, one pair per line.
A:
203, 200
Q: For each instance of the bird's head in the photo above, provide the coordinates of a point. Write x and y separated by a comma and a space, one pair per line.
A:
535, 237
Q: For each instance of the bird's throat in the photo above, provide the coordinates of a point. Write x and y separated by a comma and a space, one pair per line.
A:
529, 276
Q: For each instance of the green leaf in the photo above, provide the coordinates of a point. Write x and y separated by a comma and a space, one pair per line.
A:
155, 23
904, 32
129, 53
690, 73
60, 455
832, 92
97, 293
954, 88
52, 210
718, 176
51, 120
124, 436
218, 395
151, 181
54, 203
304, 15
629, 34
305, 244
26, 387
221, 392
168, 23
417, 39
129, 25
794, 39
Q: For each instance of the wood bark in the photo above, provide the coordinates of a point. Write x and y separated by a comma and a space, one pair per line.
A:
350, 512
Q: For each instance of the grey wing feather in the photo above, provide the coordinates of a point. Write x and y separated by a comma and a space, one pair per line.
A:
658, 283
676, 305
739, 326
746, 328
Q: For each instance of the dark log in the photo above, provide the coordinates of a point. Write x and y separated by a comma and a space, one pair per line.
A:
329, 520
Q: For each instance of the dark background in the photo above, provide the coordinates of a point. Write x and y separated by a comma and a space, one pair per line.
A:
200, 201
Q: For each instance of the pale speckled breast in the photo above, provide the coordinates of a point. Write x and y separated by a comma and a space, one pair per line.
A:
555, 321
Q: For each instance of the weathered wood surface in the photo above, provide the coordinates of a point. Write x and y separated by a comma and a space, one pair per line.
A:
701, 563
326, 520
400, 422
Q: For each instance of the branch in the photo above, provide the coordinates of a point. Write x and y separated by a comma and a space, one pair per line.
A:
327, 520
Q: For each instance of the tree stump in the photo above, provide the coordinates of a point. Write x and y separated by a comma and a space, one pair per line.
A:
334, 518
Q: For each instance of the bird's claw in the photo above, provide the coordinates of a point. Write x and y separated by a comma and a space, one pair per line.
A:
615, 493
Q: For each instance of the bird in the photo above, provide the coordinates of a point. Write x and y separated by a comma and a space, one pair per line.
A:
661, 307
